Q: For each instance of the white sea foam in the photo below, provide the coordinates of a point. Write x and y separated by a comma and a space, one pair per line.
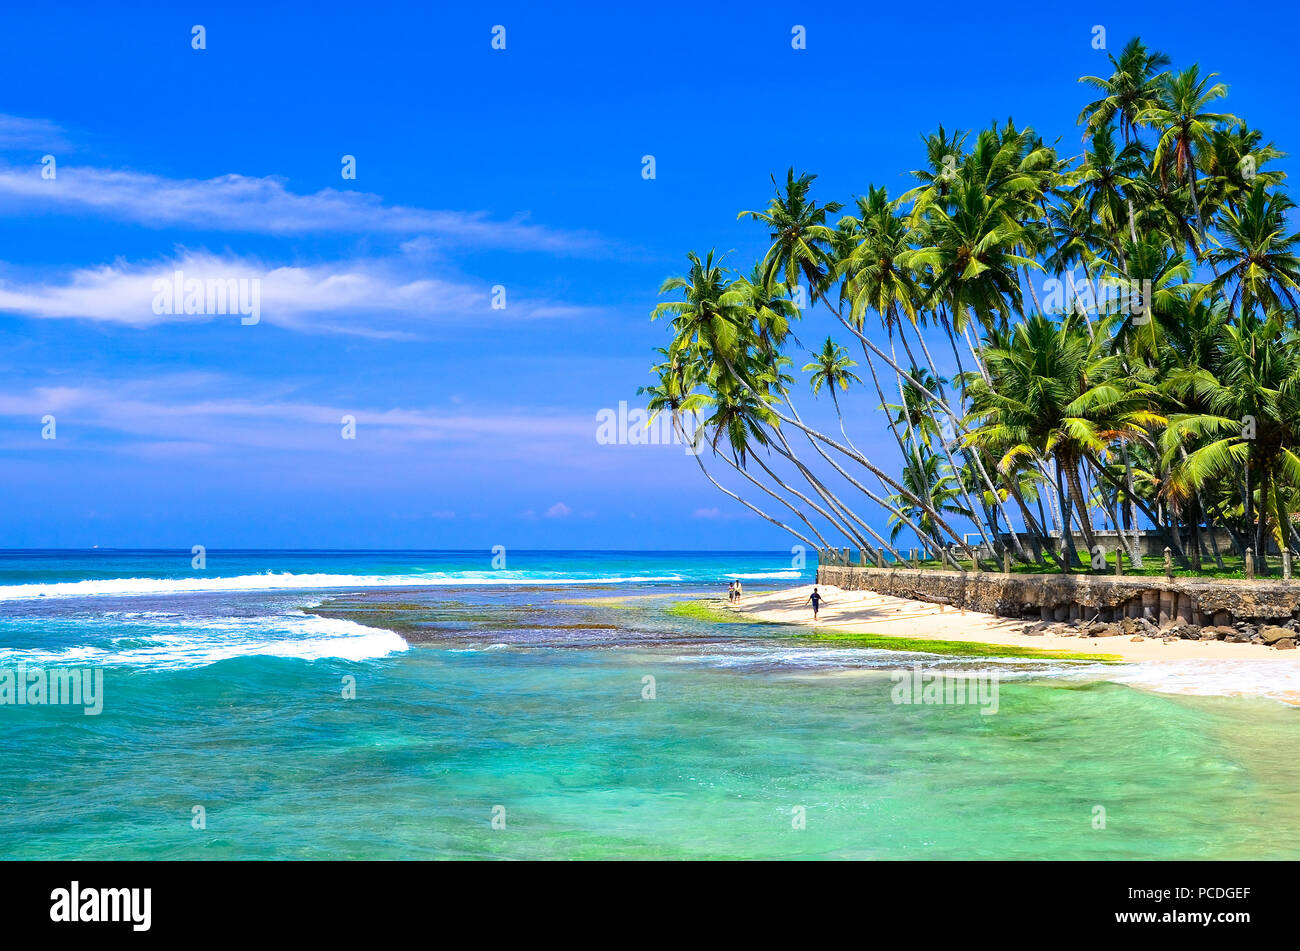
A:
196, 642
787, 575
285, 581
1275, 679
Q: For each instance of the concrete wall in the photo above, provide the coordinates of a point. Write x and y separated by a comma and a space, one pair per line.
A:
1056, 597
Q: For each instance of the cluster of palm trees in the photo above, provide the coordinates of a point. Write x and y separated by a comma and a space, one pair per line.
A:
1122, 327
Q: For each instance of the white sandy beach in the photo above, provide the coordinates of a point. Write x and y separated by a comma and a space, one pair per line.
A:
864, 612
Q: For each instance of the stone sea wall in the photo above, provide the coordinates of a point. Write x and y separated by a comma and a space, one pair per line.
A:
1235, 605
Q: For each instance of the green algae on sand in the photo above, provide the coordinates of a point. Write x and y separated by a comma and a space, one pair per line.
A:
968, 648
713, 610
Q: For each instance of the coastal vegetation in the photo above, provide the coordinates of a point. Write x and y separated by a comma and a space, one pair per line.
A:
1058, 339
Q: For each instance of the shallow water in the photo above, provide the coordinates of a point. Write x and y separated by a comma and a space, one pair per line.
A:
514, 702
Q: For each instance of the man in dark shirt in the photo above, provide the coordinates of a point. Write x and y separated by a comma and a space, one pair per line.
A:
816, 600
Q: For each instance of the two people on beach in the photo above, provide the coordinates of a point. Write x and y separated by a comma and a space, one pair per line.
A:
734, 592
815, 599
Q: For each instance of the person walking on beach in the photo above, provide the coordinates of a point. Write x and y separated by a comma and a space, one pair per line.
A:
740, 591
816, 600
731, 591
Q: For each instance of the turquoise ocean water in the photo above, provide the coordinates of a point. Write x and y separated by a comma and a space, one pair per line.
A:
521, 695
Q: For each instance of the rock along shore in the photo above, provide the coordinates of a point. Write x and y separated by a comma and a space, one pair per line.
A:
1258, 611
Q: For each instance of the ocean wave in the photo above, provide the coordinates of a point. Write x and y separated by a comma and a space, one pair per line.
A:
197, 642
285, 581
790, 575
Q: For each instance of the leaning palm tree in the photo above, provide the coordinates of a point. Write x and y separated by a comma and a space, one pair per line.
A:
770, 310
914, 411
832, 368
799, 234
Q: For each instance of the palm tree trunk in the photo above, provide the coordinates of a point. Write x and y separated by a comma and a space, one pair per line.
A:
1128, 488
754, 508
1261, 522
883, 503
839, 414
1067, 535
1175, 545
957, 424
845, 529
830, 497
856, 456
803, 518
989, 515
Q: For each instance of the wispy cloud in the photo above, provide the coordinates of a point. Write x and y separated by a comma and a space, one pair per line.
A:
264, 206
17, 132
374, 298
186, 413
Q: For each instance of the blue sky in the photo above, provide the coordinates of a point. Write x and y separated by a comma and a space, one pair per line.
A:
475, 167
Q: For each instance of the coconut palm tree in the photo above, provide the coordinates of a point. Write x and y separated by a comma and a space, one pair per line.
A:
711, 315
799, 234
1185, 127
1105, 183
1087, 411
1234, 164
1056, 393
832, 368
1129, 92
1248, 433
1258, 255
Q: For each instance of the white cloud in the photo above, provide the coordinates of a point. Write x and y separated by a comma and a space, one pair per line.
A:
361, 297
263, 206
559, 510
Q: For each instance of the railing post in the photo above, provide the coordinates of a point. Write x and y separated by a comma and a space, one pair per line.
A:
1250, 564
